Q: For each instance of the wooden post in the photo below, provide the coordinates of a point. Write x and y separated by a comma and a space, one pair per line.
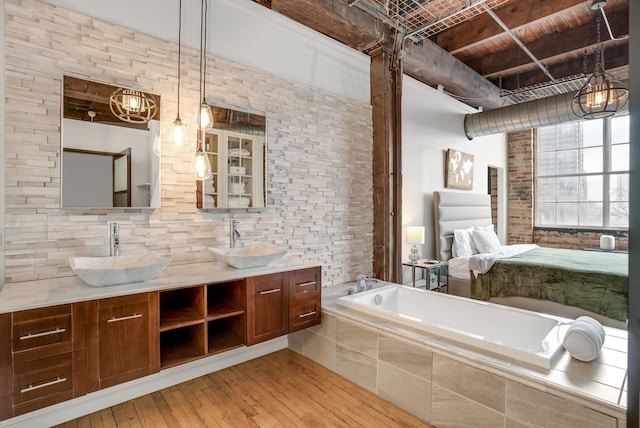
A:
386, 100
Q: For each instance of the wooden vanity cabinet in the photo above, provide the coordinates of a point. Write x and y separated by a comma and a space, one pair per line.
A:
42, 358
304, 298
123, 339
282, 303
267, 307
6, 368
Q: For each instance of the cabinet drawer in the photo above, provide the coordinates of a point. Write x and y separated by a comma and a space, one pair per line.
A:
304, 313
305, 283
42, 382
41, 333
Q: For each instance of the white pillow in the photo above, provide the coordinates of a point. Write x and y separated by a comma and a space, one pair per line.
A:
463, 245
485, 240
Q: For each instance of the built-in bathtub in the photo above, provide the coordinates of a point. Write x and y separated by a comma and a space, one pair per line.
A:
528, 337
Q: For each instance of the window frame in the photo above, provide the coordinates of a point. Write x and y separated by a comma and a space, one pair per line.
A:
606, 174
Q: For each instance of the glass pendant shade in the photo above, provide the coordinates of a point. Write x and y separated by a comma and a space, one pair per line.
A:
179, 132
200, 165
205, 116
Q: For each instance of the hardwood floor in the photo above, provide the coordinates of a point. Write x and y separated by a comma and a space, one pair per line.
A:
283, 389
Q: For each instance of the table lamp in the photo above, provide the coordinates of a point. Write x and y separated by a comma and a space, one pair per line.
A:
415, 235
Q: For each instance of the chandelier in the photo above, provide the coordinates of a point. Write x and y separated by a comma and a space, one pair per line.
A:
601, 95
132, 106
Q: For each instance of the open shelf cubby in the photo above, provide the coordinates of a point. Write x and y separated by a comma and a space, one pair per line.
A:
225, 299
181, 345
226, 333
181, 307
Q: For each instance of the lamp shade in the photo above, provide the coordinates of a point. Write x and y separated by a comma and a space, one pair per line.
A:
415, 235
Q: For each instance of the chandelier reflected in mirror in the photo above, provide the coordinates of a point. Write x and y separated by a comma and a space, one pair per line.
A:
133, 106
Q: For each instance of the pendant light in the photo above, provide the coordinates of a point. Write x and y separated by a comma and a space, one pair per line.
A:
200, 164
179, 128
205, 115
601, 95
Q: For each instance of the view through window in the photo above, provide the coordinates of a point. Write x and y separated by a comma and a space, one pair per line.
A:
582, 174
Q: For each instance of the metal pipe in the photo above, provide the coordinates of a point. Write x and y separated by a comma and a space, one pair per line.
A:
532, 114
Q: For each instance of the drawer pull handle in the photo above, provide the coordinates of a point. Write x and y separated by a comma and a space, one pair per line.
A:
273, 290
306, 284
43, 385
130, 317
44, 333
308, 314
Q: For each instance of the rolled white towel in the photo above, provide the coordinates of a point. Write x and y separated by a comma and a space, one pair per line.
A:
584, 339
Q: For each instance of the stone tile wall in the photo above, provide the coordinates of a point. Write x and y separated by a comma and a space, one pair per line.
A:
430, 384
319, 153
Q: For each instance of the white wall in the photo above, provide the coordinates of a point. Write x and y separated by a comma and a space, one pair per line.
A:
245, 32
432, 122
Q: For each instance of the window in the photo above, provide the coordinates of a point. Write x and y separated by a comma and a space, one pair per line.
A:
582, 174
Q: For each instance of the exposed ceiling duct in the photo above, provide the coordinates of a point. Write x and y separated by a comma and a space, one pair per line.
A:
533, 114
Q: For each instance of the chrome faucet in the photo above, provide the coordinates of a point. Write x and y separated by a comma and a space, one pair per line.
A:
362, 283
235, 235
365, 283
114, 239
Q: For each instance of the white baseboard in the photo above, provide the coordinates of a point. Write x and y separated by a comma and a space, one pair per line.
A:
72, 409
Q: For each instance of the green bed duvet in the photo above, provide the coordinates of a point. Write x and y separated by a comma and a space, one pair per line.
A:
592, 280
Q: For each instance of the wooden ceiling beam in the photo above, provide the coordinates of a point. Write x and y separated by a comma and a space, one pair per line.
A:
615, 57
515, 14
348, 25
425, 62
432, 65
551, 48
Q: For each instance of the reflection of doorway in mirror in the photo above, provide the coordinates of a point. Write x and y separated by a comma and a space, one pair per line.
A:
122, 179
144, 178
88, 125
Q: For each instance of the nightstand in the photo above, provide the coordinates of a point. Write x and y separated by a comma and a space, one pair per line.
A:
436, 273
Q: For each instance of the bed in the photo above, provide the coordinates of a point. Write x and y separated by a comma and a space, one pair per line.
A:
563, 282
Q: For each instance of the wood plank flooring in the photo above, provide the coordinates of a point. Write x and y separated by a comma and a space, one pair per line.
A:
283, 389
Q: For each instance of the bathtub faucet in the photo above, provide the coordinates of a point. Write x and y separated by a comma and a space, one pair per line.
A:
364, 282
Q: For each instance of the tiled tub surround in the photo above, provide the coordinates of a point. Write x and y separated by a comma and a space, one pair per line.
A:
450, 386
319, 153
492, 328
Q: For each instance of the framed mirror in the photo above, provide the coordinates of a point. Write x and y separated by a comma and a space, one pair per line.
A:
110, 146
236, 146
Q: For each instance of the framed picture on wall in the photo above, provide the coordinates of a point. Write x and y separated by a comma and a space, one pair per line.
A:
458, 170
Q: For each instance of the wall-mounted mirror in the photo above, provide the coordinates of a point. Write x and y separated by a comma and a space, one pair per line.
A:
109, 161
236, 146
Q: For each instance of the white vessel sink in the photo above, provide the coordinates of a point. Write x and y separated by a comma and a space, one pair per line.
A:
102, 271
248, 257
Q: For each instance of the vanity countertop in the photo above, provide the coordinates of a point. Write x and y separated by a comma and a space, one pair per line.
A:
17, 296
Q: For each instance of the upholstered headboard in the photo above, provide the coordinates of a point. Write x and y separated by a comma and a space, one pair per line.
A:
456, 210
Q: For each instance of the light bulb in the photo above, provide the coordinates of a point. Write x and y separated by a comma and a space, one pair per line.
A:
205, 116
179, 132
200, 165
